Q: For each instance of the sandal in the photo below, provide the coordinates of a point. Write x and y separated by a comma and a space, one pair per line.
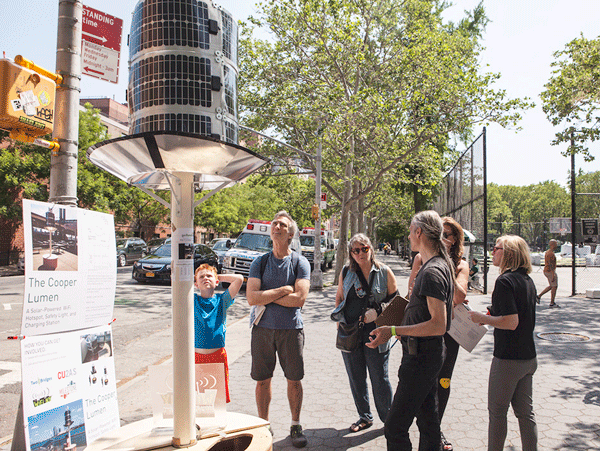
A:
360, 425
445, 445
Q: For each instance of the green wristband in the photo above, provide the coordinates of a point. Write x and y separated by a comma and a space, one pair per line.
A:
393, 331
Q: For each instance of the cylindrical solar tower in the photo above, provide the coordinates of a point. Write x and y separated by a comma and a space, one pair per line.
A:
183, 69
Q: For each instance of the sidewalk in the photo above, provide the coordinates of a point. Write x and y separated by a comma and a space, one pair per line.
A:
566, 385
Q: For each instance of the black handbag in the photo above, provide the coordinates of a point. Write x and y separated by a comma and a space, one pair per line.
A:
349, 336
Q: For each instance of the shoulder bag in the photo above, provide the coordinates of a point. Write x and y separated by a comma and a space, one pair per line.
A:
349, 336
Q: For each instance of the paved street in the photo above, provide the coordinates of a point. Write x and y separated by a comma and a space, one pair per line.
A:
566, 385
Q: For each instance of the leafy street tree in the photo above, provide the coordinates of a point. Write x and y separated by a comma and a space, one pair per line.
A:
24, 169
379, 83
572, 95
260, 197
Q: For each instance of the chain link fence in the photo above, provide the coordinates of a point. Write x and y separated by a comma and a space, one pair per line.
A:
463, 196
538, 235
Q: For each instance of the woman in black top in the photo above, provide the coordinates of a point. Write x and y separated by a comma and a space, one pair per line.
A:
513, 316
426, 320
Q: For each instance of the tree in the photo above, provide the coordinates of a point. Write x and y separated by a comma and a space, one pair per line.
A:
24, 171
378, 83
260, 197
572, 94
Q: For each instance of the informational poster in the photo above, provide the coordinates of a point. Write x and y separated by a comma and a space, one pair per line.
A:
69, 388
463, 330
183, 259
70, 268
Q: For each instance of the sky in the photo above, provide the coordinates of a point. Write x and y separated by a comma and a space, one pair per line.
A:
519, 44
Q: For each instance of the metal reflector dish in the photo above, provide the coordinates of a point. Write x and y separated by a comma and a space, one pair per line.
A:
145, 159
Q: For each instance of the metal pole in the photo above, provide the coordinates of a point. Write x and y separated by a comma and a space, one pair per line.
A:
485, 214
182, 276
573, 217
63, 166
316, 278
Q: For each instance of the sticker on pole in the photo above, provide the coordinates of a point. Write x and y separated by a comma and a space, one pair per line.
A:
101, 45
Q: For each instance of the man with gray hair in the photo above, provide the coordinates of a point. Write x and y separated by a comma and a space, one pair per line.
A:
278, 285
550, 273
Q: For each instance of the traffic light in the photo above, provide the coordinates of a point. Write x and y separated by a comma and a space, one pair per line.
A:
27, 94
315, 212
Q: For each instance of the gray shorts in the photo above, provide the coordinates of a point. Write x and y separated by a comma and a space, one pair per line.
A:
286, 343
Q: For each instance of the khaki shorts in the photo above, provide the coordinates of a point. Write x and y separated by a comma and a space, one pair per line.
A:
552, 278
286, 343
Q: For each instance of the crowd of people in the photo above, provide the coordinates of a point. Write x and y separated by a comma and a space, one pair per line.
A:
440, 279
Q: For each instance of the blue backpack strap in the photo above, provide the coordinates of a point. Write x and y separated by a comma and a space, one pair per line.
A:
263, 263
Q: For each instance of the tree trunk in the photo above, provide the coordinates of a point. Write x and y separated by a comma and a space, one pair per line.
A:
362, 228
342, 249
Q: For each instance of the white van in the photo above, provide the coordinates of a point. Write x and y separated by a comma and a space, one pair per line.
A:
254, 241
307, 241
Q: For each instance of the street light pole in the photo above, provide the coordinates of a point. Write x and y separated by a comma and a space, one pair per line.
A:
316, 277
63, 165
573, 217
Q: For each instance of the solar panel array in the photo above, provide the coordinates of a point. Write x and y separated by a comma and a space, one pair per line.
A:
183, 69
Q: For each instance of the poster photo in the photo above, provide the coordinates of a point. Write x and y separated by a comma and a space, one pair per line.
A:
69, 389
70, 268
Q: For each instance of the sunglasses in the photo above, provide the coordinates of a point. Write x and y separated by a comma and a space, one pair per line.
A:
496, 248
357, 250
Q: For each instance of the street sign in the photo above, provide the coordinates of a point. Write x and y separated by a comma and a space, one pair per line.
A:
590, 230
101, 44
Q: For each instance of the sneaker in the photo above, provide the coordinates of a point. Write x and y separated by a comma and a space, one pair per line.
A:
538, 299
298, 437
554, 305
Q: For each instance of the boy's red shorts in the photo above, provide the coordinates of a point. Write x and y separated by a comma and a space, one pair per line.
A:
219, 356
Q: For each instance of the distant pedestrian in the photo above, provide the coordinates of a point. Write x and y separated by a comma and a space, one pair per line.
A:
550, 273
353, 303
210, 313
426, 319
281, 286
512, 315
474, 275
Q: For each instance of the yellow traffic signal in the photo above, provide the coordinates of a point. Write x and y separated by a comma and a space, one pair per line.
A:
26, 99
315, 212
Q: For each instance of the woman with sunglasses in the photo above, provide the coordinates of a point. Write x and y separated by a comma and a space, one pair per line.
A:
353, 304
453, 238
426, 319
513, 317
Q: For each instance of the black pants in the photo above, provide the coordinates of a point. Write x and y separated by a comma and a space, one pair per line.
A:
443, 388
416, 396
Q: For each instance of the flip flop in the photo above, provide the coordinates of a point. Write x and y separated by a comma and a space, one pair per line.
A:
360, 425
446, 445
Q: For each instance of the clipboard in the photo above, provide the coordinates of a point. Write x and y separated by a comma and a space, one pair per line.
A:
393, 314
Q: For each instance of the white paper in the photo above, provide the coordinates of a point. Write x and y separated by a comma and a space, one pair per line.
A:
29, 102
70, 268
463, 330
68, 375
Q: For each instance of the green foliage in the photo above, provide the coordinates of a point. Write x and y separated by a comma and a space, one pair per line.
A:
24, 169
381, 84
572, 94
260, 197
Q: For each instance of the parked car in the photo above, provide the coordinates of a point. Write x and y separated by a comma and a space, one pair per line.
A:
157, 266
221, 246
155, 243
130, 250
